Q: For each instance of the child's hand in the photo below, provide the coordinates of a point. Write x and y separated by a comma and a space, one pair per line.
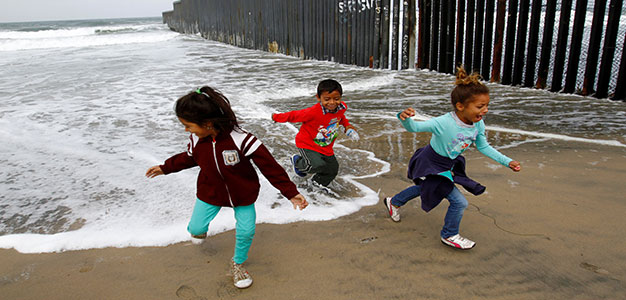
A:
352, 134
407, 113
154, 172
298, 201
515, 166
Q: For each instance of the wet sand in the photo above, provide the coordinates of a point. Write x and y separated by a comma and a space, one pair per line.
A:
553, 231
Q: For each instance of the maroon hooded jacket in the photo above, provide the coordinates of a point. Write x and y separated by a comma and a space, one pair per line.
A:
227, 177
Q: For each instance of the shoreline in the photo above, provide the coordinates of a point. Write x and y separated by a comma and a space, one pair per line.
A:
554, 230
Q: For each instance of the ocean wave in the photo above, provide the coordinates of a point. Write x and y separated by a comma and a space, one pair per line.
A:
116, 30
81, 37
41, 32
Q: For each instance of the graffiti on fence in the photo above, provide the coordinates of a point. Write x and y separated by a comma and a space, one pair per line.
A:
351, 6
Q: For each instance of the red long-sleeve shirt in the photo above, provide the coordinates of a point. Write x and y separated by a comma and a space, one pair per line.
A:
227, 177
319, 129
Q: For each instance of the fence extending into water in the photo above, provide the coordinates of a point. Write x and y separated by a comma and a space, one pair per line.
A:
530, 43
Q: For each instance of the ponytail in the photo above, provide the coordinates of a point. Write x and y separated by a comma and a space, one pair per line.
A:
207, 105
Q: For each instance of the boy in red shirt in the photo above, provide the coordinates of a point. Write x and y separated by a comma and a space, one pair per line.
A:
319, 129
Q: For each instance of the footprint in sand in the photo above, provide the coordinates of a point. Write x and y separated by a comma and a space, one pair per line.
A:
368, 240
593, 268
226, 289
86, 267
188, 293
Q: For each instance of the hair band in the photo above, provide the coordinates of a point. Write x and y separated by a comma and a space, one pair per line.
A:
203, 93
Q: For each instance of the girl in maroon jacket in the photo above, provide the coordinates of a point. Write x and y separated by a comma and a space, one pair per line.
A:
224, 152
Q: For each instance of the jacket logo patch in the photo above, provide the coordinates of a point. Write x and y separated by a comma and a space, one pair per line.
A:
231, 157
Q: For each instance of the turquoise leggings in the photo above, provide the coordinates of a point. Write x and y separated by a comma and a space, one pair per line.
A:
203, 214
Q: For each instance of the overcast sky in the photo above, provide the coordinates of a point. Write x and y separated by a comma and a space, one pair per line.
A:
49, 10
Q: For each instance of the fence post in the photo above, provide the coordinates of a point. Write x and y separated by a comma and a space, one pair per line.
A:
425, 32
533, 40
608, 52
385, 38
511, 24
412, 38
478, 37
443, 42
469, 35
450, 50
575, 45
460, 25
351, 32
561, 45
405, 35
435, 33
520, 48
322, 14
394, 34
499, 39
486, 58
546, 45
357, 34
593, 51
377, 41
620, 88
367, 38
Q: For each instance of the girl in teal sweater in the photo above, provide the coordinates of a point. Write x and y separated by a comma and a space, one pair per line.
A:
437, 167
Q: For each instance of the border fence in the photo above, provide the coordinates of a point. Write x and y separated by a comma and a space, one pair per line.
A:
547, 44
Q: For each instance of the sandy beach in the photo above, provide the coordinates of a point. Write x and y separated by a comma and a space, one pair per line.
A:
553, 231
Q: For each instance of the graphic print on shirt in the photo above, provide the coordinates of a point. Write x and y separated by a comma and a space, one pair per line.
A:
460, 143
326, 135
231, 157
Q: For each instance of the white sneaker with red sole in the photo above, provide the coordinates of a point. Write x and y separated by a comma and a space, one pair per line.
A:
458, 242
394, 212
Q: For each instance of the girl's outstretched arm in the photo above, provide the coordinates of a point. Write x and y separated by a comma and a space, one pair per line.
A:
154, 171
298, 201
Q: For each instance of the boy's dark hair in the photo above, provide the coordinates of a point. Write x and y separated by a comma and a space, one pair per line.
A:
207, 105
467, 86
329, 86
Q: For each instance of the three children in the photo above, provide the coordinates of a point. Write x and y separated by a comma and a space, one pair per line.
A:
225, 153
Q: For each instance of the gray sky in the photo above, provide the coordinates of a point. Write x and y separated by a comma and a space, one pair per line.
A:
48, 10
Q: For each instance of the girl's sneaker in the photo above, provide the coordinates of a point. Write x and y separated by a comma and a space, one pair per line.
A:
241, 277
458, 242
198, 239
394, 212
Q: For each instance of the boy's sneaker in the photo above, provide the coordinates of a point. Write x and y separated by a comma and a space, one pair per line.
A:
394, 212
458, 242
295, 158
241, 277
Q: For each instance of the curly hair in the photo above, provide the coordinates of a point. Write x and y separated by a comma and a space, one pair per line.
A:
467, 86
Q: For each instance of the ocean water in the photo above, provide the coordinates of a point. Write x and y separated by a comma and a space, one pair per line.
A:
87, 106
